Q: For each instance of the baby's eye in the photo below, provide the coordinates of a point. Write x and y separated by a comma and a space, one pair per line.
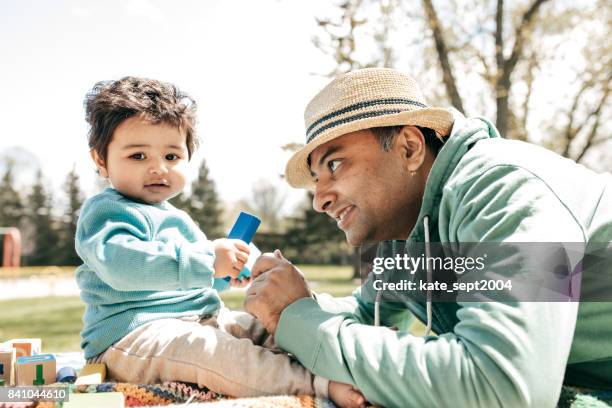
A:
333, 165
138, 156
172, 157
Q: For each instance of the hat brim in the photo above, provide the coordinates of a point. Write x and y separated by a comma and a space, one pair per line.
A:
297, 171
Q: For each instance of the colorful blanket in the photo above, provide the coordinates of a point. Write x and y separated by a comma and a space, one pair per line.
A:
177, 394
577, 398
184, 394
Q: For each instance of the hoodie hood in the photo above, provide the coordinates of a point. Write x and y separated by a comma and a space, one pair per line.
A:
464, 134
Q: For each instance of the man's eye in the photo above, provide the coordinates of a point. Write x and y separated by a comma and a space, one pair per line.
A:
172, 157
138, 156
333, 165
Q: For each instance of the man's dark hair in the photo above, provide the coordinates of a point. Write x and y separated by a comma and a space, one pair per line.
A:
111, 102
387, 134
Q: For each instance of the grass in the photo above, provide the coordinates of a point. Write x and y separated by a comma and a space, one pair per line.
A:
57, 320
29, 271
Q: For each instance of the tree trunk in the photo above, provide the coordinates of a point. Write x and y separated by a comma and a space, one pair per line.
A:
501, 99
356, 262
442, 50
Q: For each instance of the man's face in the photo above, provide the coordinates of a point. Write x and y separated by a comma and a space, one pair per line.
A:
145, 162
371, 193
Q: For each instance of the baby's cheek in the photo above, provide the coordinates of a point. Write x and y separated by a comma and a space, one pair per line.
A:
180, 175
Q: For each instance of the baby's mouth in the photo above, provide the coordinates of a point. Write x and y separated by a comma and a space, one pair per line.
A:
157, 185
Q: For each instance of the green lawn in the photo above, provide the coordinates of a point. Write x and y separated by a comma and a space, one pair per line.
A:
57, 320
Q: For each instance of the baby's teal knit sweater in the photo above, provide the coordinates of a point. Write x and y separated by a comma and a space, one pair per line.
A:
141, 262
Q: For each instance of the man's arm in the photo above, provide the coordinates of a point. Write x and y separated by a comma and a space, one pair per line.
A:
393, 314
499, 354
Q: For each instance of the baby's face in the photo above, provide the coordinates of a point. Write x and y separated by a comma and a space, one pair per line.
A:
146, 162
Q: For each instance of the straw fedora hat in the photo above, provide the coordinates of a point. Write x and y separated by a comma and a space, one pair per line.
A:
358, 100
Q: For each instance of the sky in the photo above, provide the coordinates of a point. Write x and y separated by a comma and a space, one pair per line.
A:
251, 67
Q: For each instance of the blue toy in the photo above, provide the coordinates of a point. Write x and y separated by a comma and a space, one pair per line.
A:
66, 375
244, 229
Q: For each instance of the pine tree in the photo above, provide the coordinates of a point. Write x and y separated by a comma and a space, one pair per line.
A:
203, 205
315, 238
11, 203
70, 218
41, 226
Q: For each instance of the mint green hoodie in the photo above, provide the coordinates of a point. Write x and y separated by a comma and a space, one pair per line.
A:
480, 188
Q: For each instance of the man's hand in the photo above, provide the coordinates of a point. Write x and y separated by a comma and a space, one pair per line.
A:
276, 285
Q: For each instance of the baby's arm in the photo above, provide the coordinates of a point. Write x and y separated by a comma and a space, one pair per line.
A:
115, 240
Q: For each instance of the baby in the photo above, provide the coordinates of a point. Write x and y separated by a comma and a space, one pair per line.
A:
149, 274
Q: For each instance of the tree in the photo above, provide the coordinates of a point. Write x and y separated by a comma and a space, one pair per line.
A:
41, 228
314, 237
492, 54
11, 204
203, 204
70, 219
266, 202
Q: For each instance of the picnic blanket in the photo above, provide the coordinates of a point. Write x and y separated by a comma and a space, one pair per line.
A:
572, 397
169, 394
176, 394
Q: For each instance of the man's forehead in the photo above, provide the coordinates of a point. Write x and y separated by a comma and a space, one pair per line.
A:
347, 140
321, 150
318, 155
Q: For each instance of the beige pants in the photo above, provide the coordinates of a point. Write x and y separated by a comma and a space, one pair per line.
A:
230, 353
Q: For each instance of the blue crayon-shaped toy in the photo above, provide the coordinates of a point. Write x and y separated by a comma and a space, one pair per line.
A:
244, 229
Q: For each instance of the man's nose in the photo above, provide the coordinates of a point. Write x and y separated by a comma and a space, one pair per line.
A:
323, 198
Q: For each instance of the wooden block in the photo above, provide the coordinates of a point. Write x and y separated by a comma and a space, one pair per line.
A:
92, 374
7, 365
36, 370
25, 347
96, 400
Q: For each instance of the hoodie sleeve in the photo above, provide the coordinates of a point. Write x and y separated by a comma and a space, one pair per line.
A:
117, 241
498, 354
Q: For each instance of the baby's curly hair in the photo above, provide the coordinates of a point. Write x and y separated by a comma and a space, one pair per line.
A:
111, 102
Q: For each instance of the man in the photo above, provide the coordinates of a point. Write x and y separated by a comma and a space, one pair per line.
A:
388, 167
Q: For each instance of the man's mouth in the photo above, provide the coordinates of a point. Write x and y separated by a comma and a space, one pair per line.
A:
343, 216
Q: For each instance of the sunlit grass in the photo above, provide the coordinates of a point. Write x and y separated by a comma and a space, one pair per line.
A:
57, 320
28, 271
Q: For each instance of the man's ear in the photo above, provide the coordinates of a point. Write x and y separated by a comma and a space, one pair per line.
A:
99, 162
411, 143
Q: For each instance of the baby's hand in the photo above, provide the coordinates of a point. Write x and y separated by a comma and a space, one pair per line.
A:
230, 257
240, 283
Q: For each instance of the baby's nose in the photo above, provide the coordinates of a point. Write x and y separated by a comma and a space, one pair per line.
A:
158, 168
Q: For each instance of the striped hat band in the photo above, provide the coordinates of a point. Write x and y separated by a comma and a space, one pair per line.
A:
358, 100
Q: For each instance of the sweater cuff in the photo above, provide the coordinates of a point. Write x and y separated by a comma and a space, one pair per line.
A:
321, 387
298, 330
